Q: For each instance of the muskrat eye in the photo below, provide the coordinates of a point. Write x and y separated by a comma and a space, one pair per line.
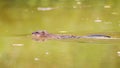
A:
35, 33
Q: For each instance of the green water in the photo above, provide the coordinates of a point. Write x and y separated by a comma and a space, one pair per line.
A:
18, 19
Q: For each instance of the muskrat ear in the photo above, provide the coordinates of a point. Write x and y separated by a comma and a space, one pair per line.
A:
44, 31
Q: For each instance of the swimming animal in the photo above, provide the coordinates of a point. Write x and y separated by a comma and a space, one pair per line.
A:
43, 35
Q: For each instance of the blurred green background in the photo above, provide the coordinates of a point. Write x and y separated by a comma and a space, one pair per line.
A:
19, 18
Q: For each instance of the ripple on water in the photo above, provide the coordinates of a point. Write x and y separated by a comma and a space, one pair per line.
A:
74, 6
77, 0
47, 53
108, 22
17, 44
119, 25
63, 31
114, 13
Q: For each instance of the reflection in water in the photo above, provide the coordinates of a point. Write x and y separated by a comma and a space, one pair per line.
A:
118, 53
47, 53
45, 9
79, 2
98, 20
114, 13
107, 6
17, 44
119, 25
36, 59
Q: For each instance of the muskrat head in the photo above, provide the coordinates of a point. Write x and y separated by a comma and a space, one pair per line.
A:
40, 35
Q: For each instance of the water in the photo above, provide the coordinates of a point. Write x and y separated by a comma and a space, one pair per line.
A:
18, 21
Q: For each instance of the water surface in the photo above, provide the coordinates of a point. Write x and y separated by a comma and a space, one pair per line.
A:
20, 18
